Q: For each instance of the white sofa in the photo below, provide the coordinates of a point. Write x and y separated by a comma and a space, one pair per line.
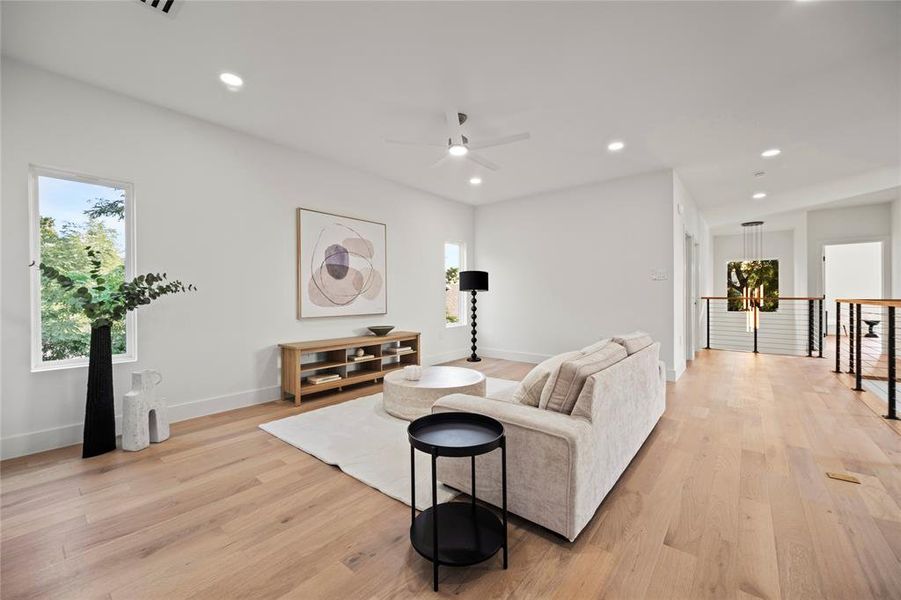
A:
560, 466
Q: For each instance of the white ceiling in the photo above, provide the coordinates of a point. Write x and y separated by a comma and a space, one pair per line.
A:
699, 87
797, 219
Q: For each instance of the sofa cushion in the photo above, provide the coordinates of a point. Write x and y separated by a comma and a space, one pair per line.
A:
529, 390
595, 346
633, 342
566, 382
634, 372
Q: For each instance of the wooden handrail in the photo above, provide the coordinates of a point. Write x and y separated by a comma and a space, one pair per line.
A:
764, 298
871, 301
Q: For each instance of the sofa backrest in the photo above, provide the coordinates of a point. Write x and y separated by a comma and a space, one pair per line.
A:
638, 372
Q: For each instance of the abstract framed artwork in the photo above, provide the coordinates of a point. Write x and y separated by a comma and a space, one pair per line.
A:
341, 266
750, 275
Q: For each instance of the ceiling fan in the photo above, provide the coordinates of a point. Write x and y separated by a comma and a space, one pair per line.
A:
459, 146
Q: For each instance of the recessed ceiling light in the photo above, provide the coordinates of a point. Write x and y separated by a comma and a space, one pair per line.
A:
457, 150
759, 196
615, 146
231, 81
475, 181
771, 153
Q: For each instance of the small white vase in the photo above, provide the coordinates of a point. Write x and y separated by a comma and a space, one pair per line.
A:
412, 372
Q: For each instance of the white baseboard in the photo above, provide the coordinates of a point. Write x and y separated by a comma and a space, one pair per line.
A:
529, 357
67, 435
443, 357
673, 375
218, 404
45, 439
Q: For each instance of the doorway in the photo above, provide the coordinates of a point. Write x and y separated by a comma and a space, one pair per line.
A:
852, 271
691, 297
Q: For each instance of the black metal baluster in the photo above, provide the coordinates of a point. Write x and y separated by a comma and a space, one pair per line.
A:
892, 412
850, 338
857, 376
755, 317
810, 328
838, 336
820, 328
708, 323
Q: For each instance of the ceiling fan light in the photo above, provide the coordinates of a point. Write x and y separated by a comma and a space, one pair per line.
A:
457, 150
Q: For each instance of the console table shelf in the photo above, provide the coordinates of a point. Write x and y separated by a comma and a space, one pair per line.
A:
301, 360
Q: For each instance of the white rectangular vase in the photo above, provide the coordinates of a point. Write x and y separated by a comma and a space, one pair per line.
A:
144, 417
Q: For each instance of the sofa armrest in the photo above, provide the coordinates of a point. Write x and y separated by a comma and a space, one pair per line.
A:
548, 454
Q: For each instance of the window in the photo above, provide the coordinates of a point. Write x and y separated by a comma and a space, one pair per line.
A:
70, 212
454, 262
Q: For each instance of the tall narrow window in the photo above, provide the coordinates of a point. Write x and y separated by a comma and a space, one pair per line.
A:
69, 214
454, 262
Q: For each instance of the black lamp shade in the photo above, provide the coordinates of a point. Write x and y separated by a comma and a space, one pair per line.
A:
473, 280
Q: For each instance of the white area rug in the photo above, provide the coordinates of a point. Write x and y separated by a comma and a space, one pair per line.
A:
368, 444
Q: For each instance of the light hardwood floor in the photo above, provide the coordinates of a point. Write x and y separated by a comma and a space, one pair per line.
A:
727, 499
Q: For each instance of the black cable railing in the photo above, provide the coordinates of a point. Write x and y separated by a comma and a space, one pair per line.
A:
866, 337
787, 325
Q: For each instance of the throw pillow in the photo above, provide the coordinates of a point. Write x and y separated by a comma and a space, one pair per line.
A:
633, 342
566, 383
529, 390
595, 346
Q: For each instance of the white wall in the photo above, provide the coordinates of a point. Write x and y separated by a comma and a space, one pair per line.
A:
215, 208
687, 220
801, 266
868, 223
777, 245
573, 266
853, 271
896, 249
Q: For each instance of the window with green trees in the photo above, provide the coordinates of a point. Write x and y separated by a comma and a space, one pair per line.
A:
454, 256
71, 214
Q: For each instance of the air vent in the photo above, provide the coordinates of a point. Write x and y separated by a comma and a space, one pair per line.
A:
164, 6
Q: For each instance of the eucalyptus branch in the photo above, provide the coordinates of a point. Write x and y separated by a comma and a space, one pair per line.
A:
103, 305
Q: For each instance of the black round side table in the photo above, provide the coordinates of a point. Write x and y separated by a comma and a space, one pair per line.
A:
457, 533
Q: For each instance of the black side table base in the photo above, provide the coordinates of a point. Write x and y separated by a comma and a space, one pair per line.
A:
457, 533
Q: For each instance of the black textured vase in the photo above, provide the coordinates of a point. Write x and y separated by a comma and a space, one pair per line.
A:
99, 411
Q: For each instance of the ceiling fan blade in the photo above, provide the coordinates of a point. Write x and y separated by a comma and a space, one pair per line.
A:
415, 143
481, 160
440, 161
508, 139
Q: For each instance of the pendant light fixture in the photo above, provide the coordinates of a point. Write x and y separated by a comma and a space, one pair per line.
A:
752, 298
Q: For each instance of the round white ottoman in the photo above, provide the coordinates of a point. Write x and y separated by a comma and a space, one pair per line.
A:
410, 400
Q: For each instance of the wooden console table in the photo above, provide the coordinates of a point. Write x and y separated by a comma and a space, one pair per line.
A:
301, 360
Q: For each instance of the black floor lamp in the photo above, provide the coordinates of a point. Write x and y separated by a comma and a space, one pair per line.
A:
473, 281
